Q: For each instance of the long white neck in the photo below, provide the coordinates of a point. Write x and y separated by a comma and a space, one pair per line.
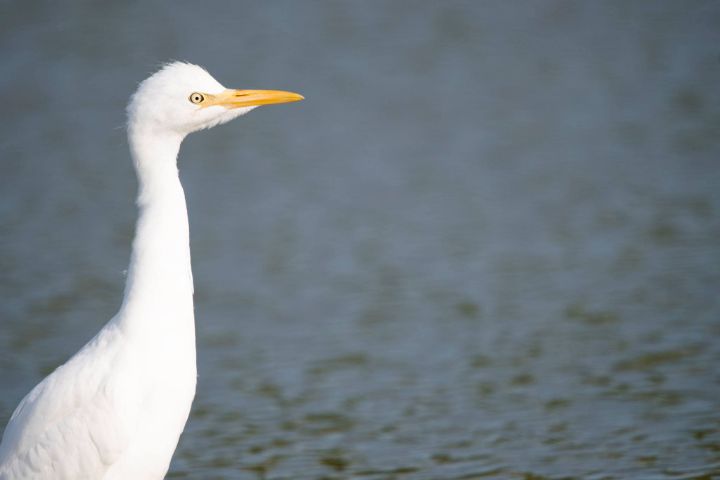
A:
159, 288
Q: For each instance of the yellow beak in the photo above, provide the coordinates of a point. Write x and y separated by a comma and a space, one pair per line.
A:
250, 98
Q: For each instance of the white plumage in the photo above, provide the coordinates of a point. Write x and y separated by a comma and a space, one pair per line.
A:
116, 409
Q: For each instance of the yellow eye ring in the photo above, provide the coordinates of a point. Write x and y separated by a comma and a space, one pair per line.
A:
196, 98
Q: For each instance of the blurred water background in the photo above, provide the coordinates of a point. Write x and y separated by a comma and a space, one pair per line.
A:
487, 245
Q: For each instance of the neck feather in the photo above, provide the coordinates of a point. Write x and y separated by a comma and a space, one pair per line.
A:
159, 283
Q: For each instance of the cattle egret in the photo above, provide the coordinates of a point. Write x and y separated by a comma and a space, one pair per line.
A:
116, 409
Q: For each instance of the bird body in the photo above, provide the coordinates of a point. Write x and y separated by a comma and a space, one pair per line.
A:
116, 409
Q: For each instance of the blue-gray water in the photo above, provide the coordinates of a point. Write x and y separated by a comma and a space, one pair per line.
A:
487, 245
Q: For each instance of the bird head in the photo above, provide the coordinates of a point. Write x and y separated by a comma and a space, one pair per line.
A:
182, 98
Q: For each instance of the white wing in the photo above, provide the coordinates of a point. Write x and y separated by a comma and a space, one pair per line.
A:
76, 422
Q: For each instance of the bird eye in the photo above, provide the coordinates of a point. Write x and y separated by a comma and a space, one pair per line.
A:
197, 98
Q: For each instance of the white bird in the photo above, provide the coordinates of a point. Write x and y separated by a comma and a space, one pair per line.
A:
116, 409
